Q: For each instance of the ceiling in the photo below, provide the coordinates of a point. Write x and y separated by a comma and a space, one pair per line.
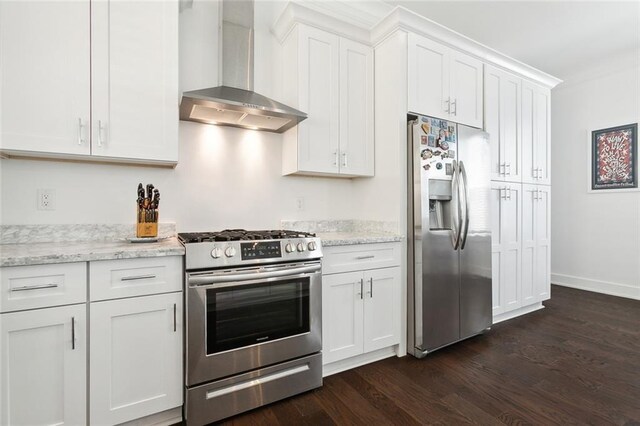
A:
558, 37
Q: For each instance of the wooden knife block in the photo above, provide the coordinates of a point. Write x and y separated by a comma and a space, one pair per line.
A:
147, 229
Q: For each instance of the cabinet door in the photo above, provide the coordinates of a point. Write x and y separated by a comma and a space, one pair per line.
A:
43, 368
493, 119
466, 89
529, 251
510, 120
497, 257
506, 251
45, 99
542, 272
342, 310
356, 109
134, 68
528, 133
319, 71
136, 357
542, 132
381, 308
428, 82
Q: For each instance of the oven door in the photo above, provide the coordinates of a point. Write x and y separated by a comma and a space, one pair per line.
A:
242, 319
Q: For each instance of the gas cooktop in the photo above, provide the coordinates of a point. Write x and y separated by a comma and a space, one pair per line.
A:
238, 247
240, 235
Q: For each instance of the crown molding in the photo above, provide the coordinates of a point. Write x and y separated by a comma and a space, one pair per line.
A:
405, 20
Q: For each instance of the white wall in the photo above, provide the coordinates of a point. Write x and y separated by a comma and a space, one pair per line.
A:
595, 238
226, 177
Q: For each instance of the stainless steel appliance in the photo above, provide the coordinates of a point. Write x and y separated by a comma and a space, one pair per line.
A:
234, 103
253, 320
449, 232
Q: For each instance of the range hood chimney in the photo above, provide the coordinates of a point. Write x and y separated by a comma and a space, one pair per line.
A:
234, 103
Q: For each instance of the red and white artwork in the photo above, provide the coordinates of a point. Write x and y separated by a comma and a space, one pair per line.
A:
614, 158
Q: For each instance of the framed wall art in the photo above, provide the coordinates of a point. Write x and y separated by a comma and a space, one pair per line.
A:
614, 158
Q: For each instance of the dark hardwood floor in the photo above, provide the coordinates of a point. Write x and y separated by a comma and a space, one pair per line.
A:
575, 362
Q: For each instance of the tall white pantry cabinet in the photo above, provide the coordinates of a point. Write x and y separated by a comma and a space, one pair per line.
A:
422, 67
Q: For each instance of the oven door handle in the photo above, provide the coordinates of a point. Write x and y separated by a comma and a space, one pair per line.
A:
250, 276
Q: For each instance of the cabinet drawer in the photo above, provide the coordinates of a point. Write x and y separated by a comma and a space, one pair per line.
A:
339, 259
114, 279
41, 286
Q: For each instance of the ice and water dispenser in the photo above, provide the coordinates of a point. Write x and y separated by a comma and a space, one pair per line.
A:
439, 204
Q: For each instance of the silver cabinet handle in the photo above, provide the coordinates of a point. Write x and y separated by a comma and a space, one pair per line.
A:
508, 166
509, 197
371, 287
502, 169
535, 173
361, 288
369, 256
454, 106
344, 159
335, 158
138, 277
101, 129
34, 287
539, 174
503, 195
175, 326
448, 105
80, 131
73, 333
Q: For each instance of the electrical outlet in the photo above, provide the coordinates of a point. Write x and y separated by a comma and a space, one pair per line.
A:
46, 199
300, 204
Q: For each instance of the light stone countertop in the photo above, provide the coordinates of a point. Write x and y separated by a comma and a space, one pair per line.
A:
330, 239
83, 251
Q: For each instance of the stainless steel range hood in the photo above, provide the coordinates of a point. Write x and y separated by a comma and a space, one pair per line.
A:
234, 103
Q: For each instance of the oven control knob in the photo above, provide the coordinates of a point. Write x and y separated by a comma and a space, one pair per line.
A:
312, 246
230, 252
289, 248
300, 247
216, 252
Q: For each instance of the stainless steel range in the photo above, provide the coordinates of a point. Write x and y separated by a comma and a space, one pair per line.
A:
253, 318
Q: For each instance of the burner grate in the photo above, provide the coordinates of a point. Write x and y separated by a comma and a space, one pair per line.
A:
241, 234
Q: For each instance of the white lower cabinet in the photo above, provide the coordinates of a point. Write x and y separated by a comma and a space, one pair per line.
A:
135, 357
43, 366
521, 258
361, 310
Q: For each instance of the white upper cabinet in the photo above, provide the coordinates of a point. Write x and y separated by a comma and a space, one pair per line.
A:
443, 82
331, 79
134, 75
536, 131
45, 88
502, 121
94, 80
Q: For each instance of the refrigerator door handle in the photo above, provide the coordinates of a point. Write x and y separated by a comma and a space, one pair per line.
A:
456, 220
464, 223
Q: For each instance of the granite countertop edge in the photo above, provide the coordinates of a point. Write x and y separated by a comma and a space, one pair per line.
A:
83, 251
330, 239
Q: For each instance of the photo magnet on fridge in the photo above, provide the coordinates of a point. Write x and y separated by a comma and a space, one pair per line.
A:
431, 142
423, 140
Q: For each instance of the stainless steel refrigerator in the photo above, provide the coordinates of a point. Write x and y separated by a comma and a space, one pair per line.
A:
449, 253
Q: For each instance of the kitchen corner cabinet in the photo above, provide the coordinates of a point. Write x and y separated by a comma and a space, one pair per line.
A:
43, 366
506, 246
360, 300
330, 78
93, 80
504, 123
536, 134
444, 82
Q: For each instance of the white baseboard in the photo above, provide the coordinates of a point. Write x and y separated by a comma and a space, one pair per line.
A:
164, 418
614, 289
359, 360
517, 312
